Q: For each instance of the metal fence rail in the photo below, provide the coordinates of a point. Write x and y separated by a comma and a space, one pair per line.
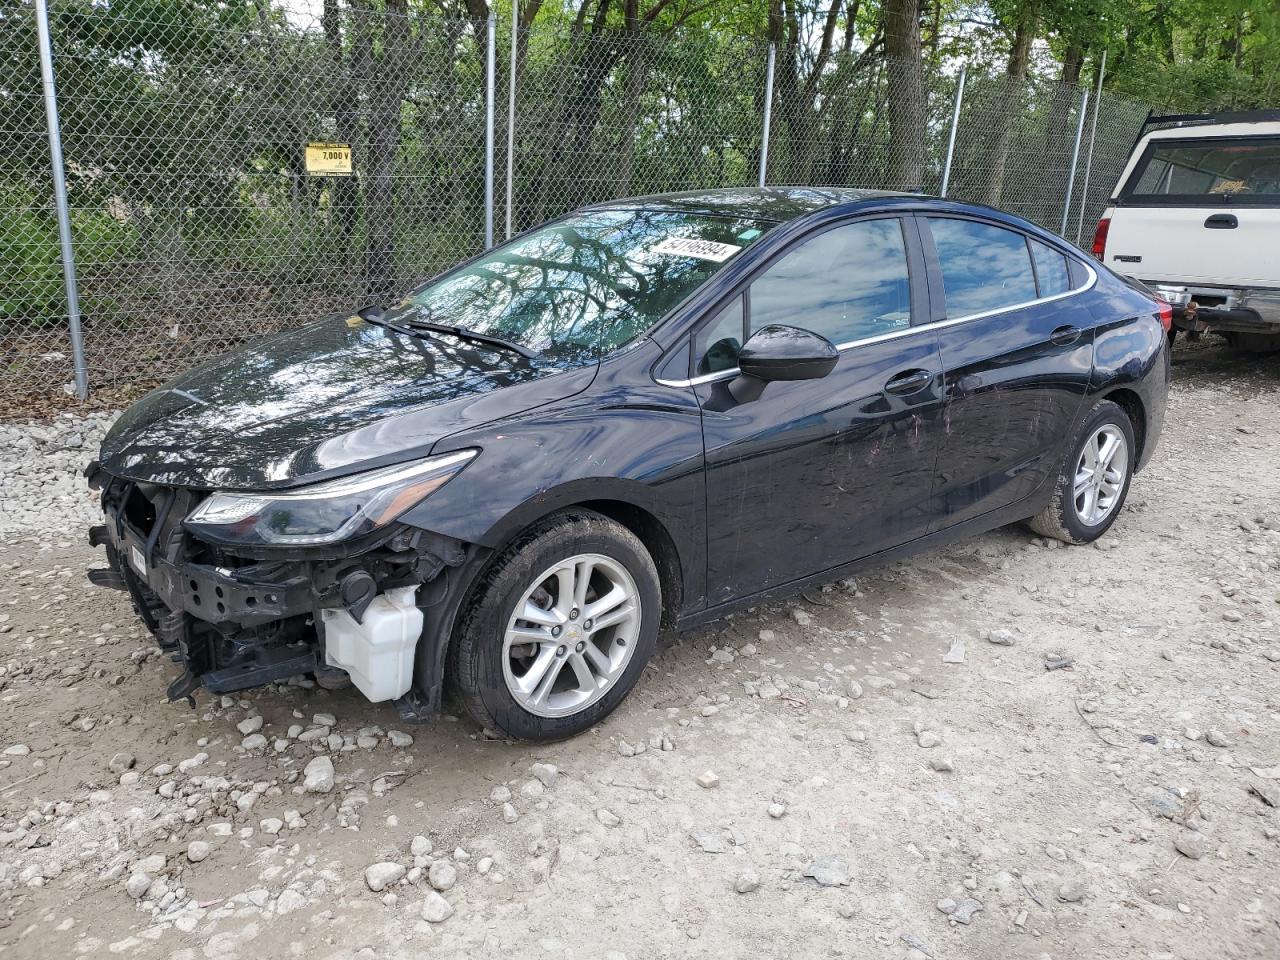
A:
196, 222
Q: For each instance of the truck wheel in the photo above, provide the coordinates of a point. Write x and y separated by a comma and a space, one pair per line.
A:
559, 628
1094, 479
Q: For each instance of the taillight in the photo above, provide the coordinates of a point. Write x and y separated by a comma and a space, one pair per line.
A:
1165, 312
1099, 249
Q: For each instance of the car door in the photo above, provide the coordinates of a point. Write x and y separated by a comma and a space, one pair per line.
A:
812, 474
1017, 348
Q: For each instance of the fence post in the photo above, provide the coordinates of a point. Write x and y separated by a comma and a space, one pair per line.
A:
489, 60
1075, 157
1093, 134
511, 114
955, 123
81, 371
768, 115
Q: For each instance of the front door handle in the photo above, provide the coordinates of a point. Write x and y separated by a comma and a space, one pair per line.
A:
908, 381
1065, 335
1222, 221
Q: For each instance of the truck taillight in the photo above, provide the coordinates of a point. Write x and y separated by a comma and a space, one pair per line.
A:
1165, 312
1099, 248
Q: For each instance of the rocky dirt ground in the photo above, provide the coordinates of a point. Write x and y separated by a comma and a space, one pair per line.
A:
883, 768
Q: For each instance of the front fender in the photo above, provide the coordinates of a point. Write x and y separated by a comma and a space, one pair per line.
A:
626, 440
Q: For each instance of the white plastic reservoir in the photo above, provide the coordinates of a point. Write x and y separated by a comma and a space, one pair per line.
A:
378, 653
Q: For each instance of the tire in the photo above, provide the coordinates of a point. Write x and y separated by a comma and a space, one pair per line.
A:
485, 670
1067, 517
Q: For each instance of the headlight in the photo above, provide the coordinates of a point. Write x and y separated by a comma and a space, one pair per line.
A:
324, 512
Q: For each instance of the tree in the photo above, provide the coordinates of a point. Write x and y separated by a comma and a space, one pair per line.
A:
906, 97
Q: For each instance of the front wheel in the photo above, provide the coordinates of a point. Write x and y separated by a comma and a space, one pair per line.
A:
559, 628
1094, 480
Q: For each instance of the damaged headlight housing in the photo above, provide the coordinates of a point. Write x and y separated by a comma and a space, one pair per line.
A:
328, 512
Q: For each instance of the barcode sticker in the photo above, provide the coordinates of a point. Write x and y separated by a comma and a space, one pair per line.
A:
701, 249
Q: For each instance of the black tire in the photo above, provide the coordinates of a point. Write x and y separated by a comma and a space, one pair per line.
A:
475, 665
1061, 519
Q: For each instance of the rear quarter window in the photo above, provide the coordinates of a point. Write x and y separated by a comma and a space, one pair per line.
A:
1052, 273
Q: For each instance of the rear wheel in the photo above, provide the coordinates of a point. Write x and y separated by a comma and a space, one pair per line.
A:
1094, 480
559, 629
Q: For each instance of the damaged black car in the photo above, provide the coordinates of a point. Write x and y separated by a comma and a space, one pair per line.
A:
639, 416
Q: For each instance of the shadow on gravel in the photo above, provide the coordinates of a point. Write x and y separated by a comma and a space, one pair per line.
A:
1210, 362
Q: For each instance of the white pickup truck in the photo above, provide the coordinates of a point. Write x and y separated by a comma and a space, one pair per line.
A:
1196, 217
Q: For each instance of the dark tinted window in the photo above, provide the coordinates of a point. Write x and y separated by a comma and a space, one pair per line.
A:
1051, 269
1240, 168
983, 267
586, 285
847, 284
720, 340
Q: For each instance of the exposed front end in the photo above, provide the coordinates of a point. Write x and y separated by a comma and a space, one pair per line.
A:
249, 589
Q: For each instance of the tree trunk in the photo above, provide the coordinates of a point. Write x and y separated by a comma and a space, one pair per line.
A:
1011, 101
906, 95
637, 73
1059, 130
384, 81
345, 110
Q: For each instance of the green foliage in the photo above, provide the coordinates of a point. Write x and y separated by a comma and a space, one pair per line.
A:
184, 122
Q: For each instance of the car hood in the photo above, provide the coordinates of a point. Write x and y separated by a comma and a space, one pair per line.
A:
330, 398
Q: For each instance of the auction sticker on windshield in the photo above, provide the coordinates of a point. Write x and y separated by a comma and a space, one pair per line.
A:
701, 249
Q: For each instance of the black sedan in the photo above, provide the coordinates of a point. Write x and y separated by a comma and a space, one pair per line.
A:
638, 416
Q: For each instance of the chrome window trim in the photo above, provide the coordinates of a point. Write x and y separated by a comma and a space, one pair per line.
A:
1088, 285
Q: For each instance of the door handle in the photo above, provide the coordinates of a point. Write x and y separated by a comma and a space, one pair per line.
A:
1065, 335
909, 381
1222, 221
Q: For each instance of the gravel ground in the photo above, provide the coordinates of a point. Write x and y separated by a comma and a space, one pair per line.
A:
883, 768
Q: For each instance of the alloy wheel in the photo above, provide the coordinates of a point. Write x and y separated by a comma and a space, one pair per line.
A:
1100, 475
571, 635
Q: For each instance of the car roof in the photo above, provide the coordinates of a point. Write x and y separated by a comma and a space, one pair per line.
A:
754, 203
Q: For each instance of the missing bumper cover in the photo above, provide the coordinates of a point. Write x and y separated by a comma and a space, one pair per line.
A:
236, 622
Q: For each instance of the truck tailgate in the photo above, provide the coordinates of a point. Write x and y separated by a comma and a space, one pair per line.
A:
1183, 244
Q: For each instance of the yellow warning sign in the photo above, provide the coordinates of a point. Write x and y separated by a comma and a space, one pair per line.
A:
329, 159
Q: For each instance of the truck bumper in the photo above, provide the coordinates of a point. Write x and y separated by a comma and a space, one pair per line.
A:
1222, 309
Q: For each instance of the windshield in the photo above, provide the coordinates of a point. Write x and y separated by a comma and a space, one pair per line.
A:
1238, 169
584, 286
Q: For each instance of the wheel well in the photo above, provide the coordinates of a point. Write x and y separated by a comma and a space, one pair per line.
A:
658, 542
1131, 403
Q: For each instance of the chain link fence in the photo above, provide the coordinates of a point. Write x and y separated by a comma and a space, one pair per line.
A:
199, 222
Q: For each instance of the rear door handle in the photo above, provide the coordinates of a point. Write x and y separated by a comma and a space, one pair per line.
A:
1222, 221
909, 381
1065, 335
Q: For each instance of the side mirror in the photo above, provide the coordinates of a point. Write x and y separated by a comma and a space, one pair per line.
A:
787, 353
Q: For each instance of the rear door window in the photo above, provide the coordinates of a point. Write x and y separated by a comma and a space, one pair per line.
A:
984, 267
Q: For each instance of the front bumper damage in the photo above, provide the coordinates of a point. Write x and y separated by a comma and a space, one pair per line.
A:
234, 621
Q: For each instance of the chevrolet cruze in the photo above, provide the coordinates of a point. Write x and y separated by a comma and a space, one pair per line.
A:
635, 417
